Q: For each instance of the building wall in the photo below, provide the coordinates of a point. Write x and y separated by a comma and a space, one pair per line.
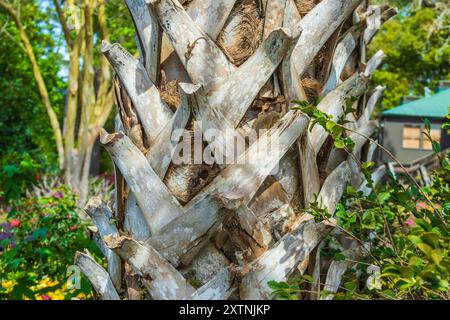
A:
392, 138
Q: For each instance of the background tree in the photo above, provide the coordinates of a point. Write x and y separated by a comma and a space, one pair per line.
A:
417, 47
27, 144
89, 97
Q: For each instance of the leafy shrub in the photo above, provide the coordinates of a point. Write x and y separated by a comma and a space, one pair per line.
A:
17, 172
404, 228
38, 240
412, 243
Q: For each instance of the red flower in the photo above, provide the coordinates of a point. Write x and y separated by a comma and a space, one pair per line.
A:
409, 222
14, 223
421, 206
73, 228
46, 297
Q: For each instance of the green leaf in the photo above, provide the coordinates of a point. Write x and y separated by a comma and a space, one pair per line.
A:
426, 249
416, 261
443, 285
339, 257
274, 285
10, 170
46, 252
337, 131
436, 256
15, 263
436, 146
349, 143
350, 191
383, 197
368, 220
414, 239
427, 124
404, 284
389, 293
351, 285
39, 233
391, 271
368, 165
330, 125
308, 278
406, 271
431, 238
339, 143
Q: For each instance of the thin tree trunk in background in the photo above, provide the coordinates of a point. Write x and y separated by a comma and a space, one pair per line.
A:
85, 105
54, 122
72, 106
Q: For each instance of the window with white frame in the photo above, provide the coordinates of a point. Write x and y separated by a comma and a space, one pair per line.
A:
411, 136
414, 138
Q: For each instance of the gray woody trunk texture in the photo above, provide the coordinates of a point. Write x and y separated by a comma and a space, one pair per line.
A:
223, 230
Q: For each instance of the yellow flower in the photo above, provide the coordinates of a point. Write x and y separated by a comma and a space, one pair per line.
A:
8, 285
45, 282
57, 295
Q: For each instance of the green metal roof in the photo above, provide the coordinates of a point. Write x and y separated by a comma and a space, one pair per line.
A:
435, 106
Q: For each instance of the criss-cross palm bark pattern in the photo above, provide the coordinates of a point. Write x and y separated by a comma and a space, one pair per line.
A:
222, 231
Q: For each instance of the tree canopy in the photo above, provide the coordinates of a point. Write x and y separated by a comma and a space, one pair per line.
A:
417, 45
25, 122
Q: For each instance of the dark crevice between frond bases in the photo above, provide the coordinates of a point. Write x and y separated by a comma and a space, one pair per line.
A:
169, 92
129, 117
322, 158
305, 6
239, 43
190, 178
313, 89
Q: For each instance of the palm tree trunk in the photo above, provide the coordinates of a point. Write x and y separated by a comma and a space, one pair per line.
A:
221, 229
